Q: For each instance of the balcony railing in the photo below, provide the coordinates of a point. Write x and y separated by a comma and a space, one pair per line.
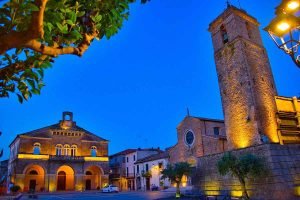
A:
130, 175
66, 158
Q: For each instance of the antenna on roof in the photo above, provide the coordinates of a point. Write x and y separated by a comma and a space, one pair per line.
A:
187, 112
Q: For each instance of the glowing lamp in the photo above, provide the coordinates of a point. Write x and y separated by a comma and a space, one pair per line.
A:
288, 6
284, 30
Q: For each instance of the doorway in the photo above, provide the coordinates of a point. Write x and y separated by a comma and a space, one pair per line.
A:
88, 184
32, 184
61, 180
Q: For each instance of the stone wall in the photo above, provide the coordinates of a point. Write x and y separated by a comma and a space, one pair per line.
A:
282, 183
205, 142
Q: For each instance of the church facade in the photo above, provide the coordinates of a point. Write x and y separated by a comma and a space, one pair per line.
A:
59, 157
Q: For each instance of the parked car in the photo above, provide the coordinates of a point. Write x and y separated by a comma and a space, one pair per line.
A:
110, 188
154, 188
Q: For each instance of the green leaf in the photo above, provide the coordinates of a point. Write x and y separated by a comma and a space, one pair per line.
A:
32, 7
62, 28
20, 98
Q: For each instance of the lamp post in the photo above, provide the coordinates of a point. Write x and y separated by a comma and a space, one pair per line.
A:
284, 29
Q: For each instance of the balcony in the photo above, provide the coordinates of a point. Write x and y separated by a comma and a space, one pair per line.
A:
66, 158
115, 176
130, 175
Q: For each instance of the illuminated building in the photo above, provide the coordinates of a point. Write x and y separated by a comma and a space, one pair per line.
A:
124, 171
59, 157
149, 171
245, 78
198, 136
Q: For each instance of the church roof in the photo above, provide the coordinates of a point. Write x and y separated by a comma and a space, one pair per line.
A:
45, 132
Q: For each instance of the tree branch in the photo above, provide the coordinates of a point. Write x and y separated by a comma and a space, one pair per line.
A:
55, 51
16, 39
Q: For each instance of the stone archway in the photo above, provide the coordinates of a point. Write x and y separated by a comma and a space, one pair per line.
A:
65, 178
34, 178
92, 178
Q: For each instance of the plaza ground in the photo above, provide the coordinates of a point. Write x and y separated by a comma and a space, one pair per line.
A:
98, 195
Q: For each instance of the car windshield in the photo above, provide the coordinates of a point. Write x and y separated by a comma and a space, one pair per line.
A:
113, 186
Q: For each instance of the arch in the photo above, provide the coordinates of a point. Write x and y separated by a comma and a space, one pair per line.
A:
36, 148
92, 177
93, 151
34, 178
67, 150
224, 34
58, 149
65, 178
73, 150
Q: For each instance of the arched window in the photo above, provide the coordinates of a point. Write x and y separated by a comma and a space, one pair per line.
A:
88, 173
73, 150
93, 151
36, 148
249, 30
33, 172
224, 34
58, 149
67, 150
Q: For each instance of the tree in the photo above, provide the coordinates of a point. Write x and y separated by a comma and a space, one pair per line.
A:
175, 173
242, 168
34, 32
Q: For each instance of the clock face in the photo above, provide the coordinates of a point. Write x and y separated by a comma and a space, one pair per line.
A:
189, 138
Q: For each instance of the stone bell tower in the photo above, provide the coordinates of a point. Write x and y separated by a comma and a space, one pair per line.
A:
245, 79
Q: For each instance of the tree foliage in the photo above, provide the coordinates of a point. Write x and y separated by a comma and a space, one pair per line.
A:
243, 167
34, 32
175, 173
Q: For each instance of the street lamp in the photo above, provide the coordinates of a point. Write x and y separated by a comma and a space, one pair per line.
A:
284, 29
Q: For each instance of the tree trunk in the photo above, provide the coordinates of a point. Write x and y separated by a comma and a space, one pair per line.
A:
177, 190
243, 183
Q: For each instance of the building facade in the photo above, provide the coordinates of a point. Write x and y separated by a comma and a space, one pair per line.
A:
245, 78
148, 172
198, 137
59, 157
125, 168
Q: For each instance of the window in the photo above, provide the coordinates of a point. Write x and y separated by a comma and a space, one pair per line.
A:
73, 150
88, 173
94, 151
133, 157
216, 131
160, 166
67, 150
147, 167
58, 149
123, 159
249, 31
33, 172
134, 170
137, 169
224, 34
36, 148
126, 171
189, 138
127, 159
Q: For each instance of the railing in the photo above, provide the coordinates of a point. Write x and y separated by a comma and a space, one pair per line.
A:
130, 175
64, 158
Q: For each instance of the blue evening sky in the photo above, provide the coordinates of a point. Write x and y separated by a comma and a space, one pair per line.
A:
134, 89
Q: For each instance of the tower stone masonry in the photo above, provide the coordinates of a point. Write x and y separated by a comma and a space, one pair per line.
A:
245, 78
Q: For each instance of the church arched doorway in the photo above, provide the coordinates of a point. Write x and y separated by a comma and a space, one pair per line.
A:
65, 178
93, 178
34, 178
